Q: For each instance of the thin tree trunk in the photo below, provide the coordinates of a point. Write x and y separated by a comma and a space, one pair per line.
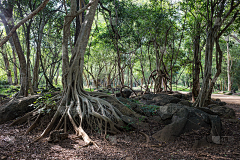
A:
13, 50
23, 66
48, 82
7, 67
158, 80
86, 79
56, 79
228, 66
131, 76
15, 67
38, 54
27, 36
196, 67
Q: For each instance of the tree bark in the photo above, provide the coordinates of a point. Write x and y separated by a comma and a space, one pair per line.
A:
158, 80
38, 54
228, 66
23, 66
7, 67
27, 36
13, 49
196, 67
15, 67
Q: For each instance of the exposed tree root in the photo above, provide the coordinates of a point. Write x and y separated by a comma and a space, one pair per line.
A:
34, 125
146, 136
24, 118
84, 110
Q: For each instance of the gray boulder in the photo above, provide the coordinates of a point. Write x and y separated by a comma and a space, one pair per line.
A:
171, 131
135, 123
218, 102
222, 111
185, 103
185, 119
126, 93
159, 99
16, 108
196, 119
148, 96
162, 99
167, 111
177, 94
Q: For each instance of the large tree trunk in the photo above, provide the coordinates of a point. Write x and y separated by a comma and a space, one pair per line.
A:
219, 56
203, 95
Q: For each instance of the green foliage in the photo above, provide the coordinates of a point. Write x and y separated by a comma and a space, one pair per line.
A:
8, 90
128, 126
180, 88
89, 90
3, 77
152, 109
46, 102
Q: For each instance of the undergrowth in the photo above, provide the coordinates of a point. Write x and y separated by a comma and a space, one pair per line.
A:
146, 109
9, 90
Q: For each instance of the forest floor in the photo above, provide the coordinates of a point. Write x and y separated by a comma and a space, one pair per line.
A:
127, 146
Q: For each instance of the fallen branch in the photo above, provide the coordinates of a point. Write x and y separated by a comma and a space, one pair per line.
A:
146, 136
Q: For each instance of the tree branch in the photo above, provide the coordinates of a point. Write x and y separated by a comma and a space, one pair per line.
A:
79, 12
235, 38
31, 15
232, 20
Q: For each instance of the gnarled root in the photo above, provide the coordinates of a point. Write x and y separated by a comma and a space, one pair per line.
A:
34, 125
25, 117
85, 111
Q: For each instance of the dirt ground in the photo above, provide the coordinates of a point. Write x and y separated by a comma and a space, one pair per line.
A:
129, 145
231, 99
